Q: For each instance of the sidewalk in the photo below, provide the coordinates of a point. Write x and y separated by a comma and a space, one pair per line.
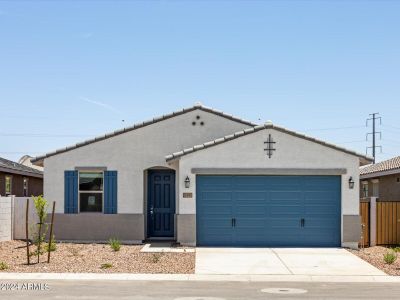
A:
195, 277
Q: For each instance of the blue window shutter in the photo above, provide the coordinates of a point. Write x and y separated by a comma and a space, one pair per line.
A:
110, 192
70, 192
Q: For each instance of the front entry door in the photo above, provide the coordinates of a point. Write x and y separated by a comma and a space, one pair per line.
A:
161, 203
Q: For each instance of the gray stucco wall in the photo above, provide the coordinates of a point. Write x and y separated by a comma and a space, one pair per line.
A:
99, 227
351, 231
186, 229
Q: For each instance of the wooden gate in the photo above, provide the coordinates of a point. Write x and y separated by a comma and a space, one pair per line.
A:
364, 212
388, 223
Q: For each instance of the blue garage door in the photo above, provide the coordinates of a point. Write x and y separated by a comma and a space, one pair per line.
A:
268, 211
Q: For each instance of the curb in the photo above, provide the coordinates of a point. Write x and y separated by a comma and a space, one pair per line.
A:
197, 277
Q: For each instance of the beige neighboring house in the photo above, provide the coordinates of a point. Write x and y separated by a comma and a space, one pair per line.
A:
381, 180
26, 160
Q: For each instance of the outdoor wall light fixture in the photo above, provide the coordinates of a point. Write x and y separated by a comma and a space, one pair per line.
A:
351, 183
187, 182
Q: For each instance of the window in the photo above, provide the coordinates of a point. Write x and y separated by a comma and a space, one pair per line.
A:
8, 185
364, 185
91, 191
25, 187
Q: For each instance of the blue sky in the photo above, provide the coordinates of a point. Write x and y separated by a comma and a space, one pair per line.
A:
75, 69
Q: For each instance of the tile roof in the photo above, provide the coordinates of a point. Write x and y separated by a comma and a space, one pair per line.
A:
364, 159
38, 159
386, 165
14, 167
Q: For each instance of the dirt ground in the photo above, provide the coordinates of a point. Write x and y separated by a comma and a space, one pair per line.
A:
89, 258
374, 255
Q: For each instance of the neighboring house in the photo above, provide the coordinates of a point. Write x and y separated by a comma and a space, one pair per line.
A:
26, 160
202, 177
381, 180
19, 180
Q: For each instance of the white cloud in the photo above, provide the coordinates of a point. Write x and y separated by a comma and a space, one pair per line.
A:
101, 104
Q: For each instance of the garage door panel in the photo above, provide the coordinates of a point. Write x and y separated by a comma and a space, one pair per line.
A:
268, 210
217, 195
285, 210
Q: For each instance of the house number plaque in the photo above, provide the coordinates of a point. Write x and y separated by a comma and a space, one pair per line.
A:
187, 195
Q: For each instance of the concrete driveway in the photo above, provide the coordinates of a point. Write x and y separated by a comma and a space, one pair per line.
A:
281, 261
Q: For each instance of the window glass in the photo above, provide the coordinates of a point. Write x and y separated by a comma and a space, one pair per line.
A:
91, 202
92, 181
365, 189
25, 187
8, 185
90, 191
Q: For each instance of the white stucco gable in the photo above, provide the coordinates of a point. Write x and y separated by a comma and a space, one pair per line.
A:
243, 153
133, 150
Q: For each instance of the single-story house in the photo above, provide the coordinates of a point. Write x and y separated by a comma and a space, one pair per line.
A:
203, 177
26, 160
381, 180
19, 180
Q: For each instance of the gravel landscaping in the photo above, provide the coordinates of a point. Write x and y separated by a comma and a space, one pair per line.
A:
374, 255
95, 258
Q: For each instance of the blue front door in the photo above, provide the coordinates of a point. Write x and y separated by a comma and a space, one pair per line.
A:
161, 203
268, 211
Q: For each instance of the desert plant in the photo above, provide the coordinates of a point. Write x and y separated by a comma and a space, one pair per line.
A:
155, 257
390, 257
3, 266
51, 247
396, 249
115, 244
106, 266
40, 231
75, 251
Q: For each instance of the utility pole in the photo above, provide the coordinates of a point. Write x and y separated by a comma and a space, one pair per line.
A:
374, 133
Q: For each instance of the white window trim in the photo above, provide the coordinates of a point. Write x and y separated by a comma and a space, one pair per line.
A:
365, 183
90, 192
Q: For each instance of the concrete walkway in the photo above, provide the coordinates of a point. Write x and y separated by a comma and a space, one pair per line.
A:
282, 261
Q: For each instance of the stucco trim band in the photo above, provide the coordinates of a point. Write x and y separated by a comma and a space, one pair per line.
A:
267, 171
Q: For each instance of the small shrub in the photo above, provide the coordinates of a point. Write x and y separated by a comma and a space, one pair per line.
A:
53, 246
155, 257
390, 257
115, 244
396, 249
3, 266
106, 266
75, 251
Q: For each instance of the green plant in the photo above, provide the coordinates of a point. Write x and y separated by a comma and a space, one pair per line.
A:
40, 230
3, 266
155, 257
52, 247
115, 244
390, 257
106, 266
396, 249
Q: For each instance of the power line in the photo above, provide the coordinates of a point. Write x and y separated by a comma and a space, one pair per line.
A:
333, 128
44, 135
21, 152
